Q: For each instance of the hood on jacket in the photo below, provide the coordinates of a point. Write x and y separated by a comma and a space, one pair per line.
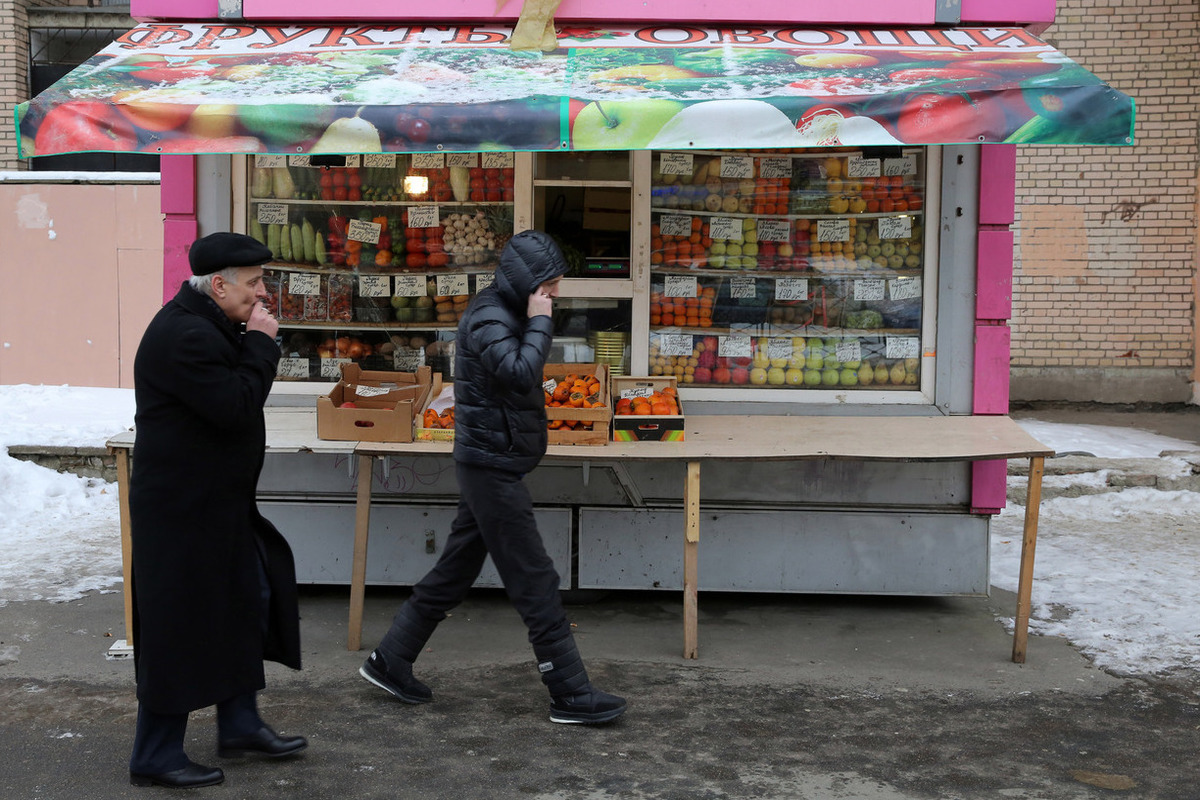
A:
528, 260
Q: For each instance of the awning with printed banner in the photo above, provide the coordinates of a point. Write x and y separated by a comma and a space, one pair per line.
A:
292, 89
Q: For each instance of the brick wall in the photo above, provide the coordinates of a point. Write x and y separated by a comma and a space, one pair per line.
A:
1105, 270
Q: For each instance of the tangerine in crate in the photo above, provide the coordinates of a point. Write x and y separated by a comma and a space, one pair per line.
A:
577, 406
647, 409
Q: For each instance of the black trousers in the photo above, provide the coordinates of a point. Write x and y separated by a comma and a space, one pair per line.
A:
495, 517
158, 738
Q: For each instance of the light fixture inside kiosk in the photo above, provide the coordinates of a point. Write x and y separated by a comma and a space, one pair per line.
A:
416, 184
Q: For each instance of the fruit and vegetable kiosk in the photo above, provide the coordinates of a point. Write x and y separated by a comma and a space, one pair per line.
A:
799, 224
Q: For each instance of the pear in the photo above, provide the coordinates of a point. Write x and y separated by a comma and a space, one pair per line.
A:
866, 374
349, 135
881, 373
897, 373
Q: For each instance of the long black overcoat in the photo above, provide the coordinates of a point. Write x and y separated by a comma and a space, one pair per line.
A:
201, 630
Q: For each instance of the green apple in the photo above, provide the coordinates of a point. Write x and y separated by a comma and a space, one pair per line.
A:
405, 314
621, 124
830, 376
848, 377
717, 249
285, 123
400, 301
812, 377
716, 262
776, 376
733, 249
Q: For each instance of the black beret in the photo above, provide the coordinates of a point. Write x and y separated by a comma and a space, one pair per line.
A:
217, 251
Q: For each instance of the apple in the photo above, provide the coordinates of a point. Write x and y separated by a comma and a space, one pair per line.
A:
213, 120
348, 404
739, 375
794, 376
758, 376
776, 376
848, 377
702, 375
621, 124
722, 375
812, 377
830, 376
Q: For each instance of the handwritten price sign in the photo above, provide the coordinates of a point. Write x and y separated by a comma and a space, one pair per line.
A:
675, 164
424, 215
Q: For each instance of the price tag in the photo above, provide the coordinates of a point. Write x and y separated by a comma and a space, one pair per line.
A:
774, 167
895, 227
270, 161
675, 344
423, 215
272, 214
737, 166
332, 367
370, 391
374, 285
408, 359
675, 164
497, 160
379, 160
428, 160
868, 289
774, 230
292, 368
679, 286
462, 160
675, 225
484, 280
779, 348
905, 165
849, 350
858, 167
549, 385
742, 288
300, 161
637, 391
729, 228
363, 231
791, 288
833, 230
904, 288
903, 347
450, 285
735, 346
410, 286
304, 283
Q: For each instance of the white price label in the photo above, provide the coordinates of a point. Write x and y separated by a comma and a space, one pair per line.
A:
549, 385
742, 288
304, 283
637, 391
270, 161
779, 348
675, 164
833, 230
868, 289
408, 359
292, 368
410, 286
272, 214
675, 225
370, 391
791, 288
332, 367
774, 167
462, 160
379, 160
858, 167
849, 350
737, 166
895, 227
362, 231
484, 280
906, 165
729, 228
450, 285
904, 288
903, 347
735, 346
428, 160
375, 286
774, 230
675, 344
679, 286
497, 160
424, 215
299, 161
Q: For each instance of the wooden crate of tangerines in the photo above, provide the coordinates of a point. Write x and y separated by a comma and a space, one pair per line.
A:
577, 406
435, 423
646, 409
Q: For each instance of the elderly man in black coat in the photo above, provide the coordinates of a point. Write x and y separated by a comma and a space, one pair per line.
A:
214, 586
500, 435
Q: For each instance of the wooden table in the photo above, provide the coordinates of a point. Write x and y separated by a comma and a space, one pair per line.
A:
747, 438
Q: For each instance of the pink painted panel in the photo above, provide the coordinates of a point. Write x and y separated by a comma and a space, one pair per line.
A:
997, 184
1021, 11
989, 486
993, 275
138, 275
173, 9
992, 347
178, 184
178, 235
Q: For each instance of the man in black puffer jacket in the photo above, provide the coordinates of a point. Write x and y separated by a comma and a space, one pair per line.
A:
499, 436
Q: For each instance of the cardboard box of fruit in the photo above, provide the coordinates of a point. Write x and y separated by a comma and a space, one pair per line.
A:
578, 410
646, 409
373, 406
435, 423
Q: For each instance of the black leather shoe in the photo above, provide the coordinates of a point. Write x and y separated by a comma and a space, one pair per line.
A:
264, 741
190, 777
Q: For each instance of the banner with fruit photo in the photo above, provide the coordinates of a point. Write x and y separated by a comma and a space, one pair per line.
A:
234, 88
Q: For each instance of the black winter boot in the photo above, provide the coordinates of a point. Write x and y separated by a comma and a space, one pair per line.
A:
390, 664
573, 699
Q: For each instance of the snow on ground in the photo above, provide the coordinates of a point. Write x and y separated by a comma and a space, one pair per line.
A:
1115, 573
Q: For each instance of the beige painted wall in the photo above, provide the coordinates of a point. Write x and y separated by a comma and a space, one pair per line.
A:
80, 279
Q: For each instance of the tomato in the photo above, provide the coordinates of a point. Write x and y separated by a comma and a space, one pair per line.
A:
947, 118
940, 75
160, 71
224, 144
77, 127
843, 87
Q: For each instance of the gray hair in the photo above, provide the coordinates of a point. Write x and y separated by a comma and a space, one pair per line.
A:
203, 283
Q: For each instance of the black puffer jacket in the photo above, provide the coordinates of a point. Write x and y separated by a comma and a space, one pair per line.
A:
500, 411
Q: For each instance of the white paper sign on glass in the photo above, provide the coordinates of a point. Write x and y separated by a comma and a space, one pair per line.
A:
410, 285
833, 230
905, 165
484, 280
272, 214
423, 215
292, 368
301, 161
360, 230
774, 230
375, 285
467, 160
742, 288
304, 283
428, 160
858, 167
895, 227
679, 286
791, 289
498, 160
675, 225
778, 347
735, 346
270, 161
332, 367
729, 228
737, 166
675, 344
849, 350
905, 288
450, 285
385, 160
902, 347
869, 289
675, 164
769, 167
408, 359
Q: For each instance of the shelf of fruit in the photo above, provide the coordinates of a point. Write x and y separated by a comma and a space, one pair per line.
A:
849, 270
770, 329
784, 216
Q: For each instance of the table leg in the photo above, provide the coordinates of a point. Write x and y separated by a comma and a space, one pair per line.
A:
691, 547
1033, 502
358, 571
121, 456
